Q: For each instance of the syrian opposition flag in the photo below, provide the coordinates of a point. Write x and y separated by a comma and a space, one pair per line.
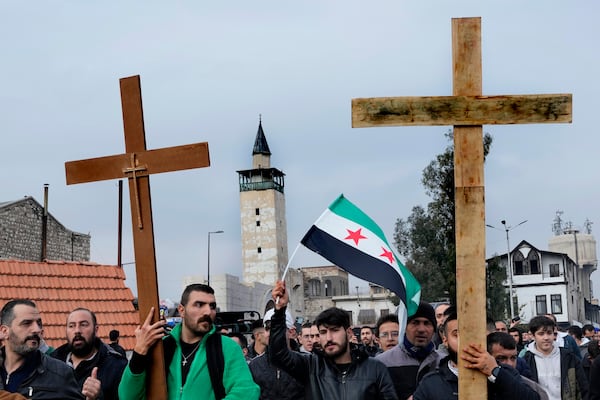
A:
350, 239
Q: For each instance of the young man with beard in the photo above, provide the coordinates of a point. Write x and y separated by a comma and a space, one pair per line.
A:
189, 349
23, 368
504, 382
367, 339
338, 371
415, 355
98, 368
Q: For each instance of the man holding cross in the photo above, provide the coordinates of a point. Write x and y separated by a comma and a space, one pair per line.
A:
192, 352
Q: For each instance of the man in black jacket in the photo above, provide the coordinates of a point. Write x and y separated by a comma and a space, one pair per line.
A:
98, 368
275, 384
504, 382
338, 370
24, 368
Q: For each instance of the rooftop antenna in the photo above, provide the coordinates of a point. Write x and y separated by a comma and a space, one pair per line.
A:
587, 226
557, 226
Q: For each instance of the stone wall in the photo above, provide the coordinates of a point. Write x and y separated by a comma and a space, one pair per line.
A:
21, 234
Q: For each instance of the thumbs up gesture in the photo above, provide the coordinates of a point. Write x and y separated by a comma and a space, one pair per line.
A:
91, 386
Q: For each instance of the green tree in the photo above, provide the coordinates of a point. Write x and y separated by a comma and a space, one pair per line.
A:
497, 296
427, 237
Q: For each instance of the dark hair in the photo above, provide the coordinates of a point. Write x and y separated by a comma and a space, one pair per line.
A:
241, 337
367, 327
541, 321
515, 329
194, 287
94, 320
386, 318
306, 325
333, 317
588, 327
500, 338
576, 331
113, 335
7, 315
593, 349
451, 317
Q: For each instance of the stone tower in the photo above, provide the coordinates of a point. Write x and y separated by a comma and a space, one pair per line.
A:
263, 223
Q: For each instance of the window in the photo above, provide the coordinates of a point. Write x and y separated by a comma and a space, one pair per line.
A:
327, 288
259, 250
257, 223
383, 312
554, 270
257, 211
556, 303
541, 307
314, 287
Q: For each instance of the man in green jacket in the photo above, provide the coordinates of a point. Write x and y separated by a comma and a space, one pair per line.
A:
189, 349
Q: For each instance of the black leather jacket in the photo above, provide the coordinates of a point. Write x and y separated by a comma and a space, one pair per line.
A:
110, 368
366, 378
50, 380
275, 384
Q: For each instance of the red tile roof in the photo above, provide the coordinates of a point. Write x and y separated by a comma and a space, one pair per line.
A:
58, 287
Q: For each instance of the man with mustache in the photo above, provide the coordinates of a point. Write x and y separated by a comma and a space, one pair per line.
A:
414, 355
98, 368
188, 348
339, 370
24, 368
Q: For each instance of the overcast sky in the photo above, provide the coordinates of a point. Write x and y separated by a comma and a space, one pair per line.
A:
208, 69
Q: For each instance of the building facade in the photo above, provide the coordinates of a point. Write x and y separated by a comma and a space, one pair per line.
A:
21, 234
546, 282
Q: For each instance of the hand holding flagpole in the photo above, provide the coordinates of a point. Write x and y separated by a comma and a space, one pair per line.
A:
285, 272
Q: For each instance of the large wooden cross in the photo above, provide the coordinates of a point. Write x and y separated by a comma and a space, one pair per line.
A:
136, 165
467, 110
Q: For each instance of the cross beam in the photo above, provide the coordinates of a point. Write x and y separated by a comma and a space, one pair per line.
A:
467, 110
136, 165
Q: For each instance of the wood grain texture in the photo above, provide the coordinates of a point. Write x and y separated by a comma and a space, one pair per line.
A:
469, 206
157, 161
462, 110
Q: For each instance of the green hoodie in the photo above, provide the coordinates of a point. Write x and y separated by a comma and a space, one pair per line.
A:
237, 378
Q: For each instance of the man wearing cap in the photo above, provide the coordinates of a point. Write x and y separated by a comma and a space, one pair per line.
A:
340, 370
415, 355
260, 339
275, 383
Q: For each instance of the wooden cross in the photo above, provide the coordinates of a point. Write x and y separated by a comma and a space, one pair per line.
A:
467, 110
136, 165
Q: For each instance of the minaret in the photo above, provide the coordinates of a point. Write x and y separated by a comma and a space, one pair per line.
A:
262, 207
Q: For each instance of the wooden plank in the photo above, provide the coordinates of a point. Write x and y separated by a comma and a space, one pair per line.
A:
157, 161
469, 206
461, 110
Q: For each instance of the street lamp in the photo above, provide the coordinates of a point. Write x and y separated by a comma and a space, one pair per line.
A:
510, 268
208, 257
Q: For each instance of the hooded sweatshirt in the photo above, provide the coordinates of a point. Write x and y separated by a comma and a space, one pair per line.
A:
548, 370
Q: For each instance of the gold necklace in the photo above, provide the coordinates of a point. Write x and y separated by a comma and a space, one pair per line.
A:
185, 358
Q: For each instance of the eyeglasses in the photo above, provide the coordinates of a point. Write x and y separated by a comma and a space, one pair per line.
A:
391, 335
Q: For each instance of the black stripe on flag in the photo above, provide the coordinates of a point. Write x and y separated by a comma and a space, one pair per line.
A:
355, 262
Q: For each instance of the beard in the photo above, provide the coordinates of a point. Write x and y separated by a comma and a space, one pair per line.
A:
453, 355
343, 347
195, 327
21, 347
82, 347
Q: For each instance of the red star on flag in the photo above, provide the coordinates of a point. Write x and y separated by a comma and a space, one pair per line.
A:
387, 254
356, 236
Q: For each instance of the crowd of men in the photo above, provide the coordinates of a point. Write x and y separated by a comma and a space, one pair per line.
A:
323, 359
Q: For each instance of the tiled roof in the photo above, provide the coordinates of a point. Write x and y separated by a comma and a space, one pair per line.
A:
58, 287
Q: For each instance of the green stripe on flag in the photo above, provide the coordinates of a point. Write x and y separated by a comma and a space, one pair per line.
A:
345, 209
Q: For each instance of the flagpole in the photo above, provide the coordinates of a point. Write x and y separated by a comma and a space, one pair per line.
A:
288, 267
